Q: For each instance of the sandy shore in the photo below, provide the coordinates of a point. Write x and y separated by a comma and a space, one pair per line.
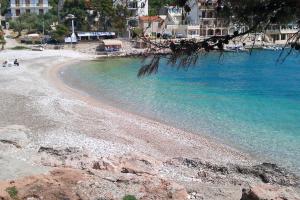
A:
45, 125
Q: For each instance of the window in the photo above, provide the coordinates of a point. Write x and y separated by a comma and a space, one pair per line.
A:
210, 15
218, 32
202, 32
41, 11
159, 24
210, 32
17, 12
17, 2
27, 2
27, 10
192, 32
283, 36
275, 37
224, 32
40, 2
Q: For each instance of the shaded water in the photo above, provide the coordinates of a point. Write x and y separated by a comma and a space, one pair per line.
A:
249, 102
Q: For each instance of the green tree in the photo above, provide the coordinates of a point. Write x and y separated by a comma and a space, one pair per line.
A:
78, 9
155, 5
105, 10
18, 25
60, 32
33, 23
2, 39
120, 19
4, 6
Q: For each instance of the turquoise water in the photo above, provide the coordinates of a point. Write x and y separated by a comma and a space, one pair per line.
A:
247, 101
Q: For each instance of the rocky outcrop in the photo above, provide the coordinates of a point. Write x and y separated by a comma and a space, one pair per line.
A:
270, 173
77, 184
116, 185
269, 192
265, 172
11, 143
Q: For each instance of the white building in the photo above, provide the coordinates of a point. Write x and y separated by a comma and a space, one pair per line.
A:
176, 26
18, 7
137, 8
279, 34
201, 22
210, 24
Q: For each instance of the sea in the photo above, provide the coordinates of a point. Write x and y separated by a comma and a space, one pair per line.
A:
250, 101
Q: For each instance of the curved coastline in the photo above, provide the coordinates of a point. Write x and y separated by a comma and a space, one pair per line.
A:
56, 126
262, 156
54, 77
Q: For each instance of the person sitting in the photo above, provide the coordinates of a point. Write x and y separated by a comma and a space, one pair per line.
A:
16, 63
4, 64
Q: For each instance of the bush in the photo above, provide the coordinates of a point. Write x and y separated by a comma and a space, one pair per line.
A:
19, 48
129, 197
13, 192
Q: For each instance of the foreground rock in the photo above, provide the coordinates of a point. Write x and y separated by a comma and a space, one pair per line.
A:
269, 192
82, 185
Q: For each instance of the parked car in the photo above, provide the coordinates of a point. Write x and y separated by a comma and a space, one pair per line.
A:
167, 36
51, 41
179, 35
38, 48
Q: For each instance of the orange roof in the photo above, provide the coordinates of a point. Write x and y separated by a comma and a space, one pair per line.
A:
150, 18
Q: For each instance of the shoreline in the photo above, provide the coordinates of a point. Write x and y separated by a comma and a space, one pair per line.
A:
215, 141
50, 126
53, 76
58, 81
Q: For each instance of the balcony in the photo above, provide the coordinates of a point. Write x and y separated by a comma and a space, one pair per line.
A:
41, 5
29, 5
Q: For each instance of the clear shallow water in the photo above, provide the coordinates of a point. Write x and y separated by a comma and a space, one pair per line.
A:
249, 102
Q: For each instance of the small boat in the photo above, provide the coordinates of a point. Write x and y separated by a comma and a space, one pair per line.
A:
235, 48
38, 48
272, 48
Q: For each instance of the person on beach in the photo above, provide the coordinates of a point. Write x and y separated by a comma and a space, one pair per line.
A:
16, 63
4, 64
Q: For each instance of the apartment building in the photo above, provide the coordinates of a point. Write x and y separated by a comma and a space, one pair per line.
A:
176, 25
280, 34
18, 7
209, 23
151, 25
201, 22
137, 8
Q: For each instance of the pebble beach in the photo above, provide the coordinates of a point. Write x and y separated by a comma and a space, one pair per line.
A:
51, 133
